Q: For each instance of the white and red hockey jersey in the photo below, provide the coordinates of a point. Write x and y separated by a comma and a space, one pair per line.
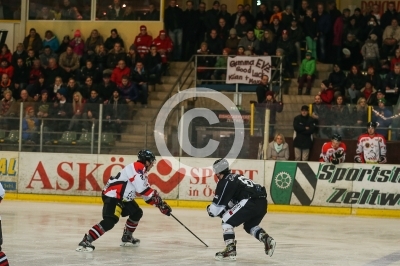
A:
129, 181
371, 148
328, 152
163, 44
143, 43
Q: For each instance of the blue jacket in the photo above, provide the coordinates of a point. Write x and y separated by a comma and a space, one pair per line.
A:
323, 22
53, 43
27, 134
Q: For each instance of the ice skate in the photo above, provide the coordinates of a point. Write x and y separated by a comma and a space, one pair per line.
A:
269, 244
85, 245
229, 253
129, 241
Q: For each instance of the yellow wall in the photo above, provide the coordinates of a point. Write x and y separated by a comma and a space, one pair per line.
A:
126, 29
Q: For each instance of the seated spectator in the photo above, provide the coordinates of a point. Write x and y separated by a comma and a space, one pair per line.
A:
274, 107
77, 44
203, 62
355, 81
72, 87
259, 30
276, 27
21, 75
140, 78
91, 110
264, 15
20, 53
78, 104
69, 61
5, 54
100, 57
33, 41
222, 62
115, 55
45, 14
351, 53
112, 40
353, 29
129, 94
6, 68
143, 41
87, 87
326, 92
56, 87
60, 111
268, 43
243, 26
37, 87
93, 41
240, 50
339, 116
6, 104
90, 71
375, 97
51, 41
31, 58
64, 45
233, 41
306, 73
6, 84
153, 62
287, 17
374, 77
395, 60
392, 84
370, 52
115, 113
303, 126
106, 87
214, 44
320, 115
164, 47
120, 70
56, 10
382, 116
30, 126
46, 55
36, 71
368, 90
116, 11
250, 43
296, 37
262, 89
391, 38
361, 115
133, 56
278, 149
337, 78
152, 14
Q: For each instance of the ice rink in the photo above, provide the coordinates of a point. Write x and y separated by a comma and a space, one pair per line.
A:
40, 234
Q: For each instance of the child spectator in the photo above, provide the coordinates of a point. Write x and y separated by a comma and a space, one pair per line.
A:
306, 73
77, 44
222, 61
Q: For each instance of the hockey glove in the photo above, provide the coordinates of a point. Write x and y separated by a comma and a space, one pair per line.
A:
155, 199
339, 154
382, 159
357, 159
335, 161
165, 209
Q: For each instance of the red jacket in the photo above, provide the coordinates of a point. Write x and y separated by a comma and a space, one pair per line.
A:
34, 75
7, 56
142, 43
165, 44
117, 74
327, 95
8, 70
338, 32
393, 62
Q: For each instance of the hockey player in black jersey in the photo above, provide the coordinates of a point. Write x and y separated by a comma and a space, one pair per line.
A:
238, 200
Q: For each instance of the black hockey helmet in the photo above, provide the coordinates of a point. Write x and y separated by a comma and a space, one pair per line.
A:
221, 166
337, 137
372, 124
146, 155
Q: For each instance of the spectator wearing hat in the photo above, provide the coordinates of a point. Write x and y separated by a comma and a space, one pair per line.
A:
115, 113
232, 42
310, 30
370, 52
391, 38
326, 93
106, 87
392, 85
375, 97
296, 37
250, 42
115, 55
164, 47
33, 41
303, 126
114, 38
306, 74
173, 23
382, 117
243, 27
30, 126
143, 41
77, 44
116, 12
190, 31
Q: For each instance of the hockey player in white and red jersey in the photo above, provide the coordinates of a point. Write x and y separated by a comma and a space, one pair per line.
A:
119, 200
3, 257
334, 151
371, 147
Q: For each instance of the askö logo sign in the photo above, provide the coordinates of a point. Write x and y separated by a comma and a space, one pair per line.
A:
293, 181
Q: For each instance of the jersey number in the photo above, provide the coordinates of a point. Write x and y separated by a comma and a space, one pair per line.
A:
248, 182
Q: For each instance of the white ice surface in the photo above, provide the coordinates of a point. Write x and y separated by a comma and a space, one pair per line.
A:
47, 234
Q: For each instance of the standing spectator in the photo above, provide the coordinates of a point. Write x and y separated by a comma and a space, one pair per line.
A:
222, 30
376, 13
91, 111
391, 38
278, 149
190, 31
77, 44
153, 14
311, 32
223, 13
302, 12
115, 113
370, 52
214, 44
389, 15
202, 30
140, 77
173, 21
51, 40
320, 116
5, 53
287, 17
337, 78
303, 126
296, 37
93, 41
164, 47
371, 147
116, 11
112, 40
69, 61
250, 42
243, 27
33, 41
382, 117
370, 27
78, 104
46, 55
264, 15
268, 43
361, 115
6, 106
334, 151
392, 85
339, 116
306, 74
212, 16
355, 81
232, 42
19, 53
115, 55
326, 92
287, 45
262, 89
323, 27
338, 28
119, 71
235, 18
143, 41
153, 62
277, 13
106, 87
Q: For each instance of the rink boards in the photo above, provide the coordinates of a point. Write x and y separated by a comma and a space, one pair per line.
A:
361, 189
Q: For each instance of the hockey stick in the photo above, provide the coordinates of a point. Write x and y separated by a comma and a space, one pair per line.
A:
1, 235
188, 229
